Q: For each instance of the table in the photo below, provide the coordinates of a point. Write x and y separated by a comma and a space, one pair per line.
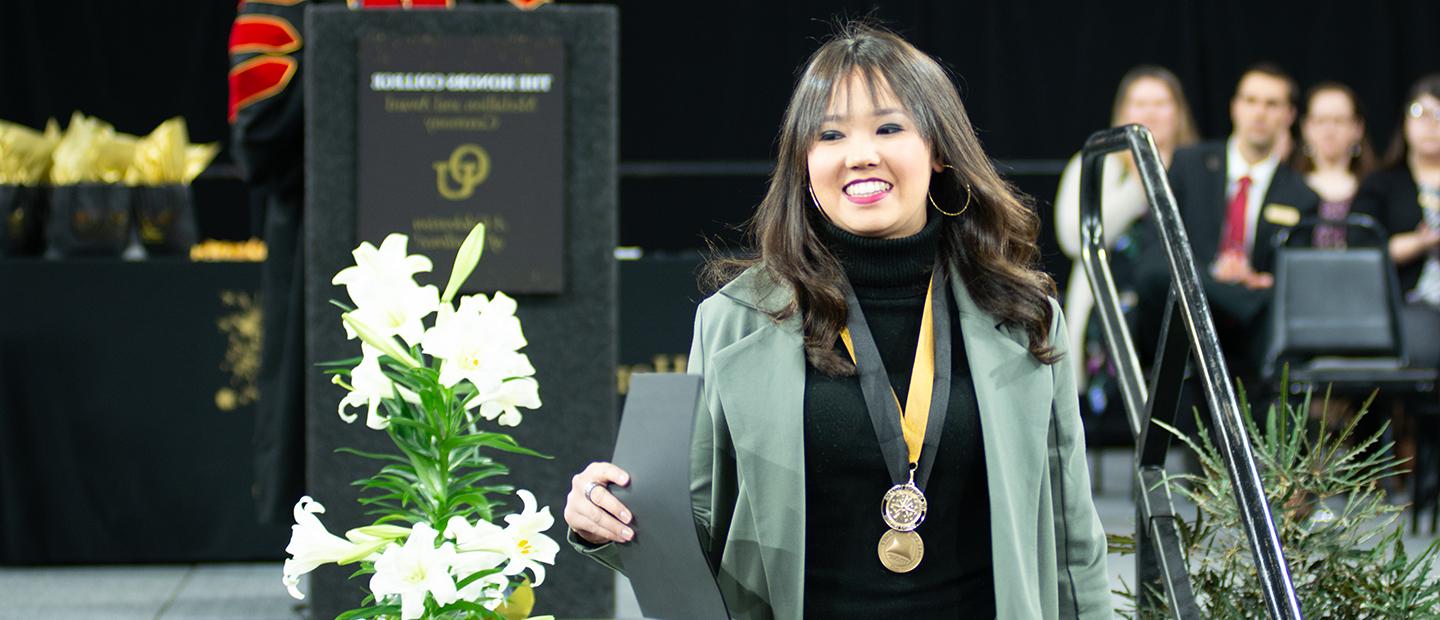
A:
126, 400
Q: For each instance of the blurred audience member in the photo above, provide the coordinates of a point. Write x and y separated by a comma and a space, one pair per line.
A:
1334, 154
1150, 96
1405, 197
1233, 197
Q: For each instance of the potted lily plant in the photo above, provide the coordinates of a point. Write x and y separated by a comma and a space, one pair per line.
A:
437, 548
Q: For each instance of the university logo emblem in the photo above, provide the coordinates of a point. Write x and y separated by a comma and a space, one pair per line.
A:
468, 166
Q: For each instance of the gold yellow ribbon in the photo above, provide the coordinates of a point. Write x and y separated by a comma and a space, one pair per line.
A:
922, 379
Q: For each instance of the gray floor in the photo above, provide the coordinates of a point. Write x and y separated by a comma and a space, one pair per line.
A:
254, 592
206, 591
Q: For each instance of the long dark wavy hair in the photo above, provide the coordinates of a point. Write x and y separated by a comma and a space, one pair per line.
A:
993, 244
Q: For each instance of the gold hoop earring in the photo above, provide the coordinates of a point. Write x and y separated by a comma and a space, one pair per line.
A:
957, 213
968, 194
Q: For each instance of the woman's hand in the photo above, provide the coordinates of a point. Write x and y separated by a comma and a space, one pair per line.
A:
598, 518
1406, 247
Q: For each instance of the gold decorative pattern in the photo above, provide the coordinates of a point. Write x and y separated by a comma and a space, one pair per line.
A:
242, 327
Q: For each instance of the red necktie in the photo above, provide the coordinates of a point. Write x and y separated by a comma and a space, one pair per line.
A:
1234, 238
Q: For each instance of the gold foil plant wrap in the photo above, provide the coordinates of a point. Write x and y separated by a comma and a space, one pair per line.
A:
91, 151
90, 213
25, 153
113, 191
166, 157
161, 169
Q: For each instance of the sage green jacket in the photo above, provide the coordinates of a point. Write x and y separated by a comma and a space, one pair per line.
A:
748, 467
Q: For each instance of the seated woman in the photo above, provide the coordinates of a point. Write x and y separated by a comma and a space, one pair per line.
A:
1404, 195
1334, 155
1150, 96
893, 265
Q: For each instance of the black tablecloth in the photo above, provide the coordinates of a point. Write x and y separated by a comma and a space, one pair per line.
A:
126, 392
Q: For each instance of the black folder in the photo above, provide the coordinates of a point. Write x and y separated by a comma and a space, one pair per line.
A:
665, 562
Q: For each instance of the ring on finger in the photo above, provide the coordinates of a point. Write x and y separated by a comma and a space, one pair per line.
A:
590, 488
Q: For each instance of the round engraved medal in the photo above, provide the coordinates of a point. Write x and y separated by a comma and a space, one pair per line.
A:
903, 507
901, 552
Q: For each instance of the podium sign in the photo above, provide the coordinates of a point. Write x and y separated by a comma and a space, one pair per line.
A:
454, 130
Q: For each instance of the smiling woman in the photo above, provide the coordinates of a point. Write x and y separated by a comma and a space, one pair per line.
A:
886, 242
870, 169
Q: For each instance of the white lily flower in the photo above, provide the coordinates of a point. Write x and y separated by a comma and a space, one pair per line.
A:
504, 400
479, 547
382, 285
530, 548
520, 545
491, 588
310, 545
414, 571
368, 387
379, 269
479, 342
401, 312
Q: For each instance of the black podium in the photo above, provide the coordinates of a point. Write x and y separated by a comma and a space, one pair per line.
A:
567, 305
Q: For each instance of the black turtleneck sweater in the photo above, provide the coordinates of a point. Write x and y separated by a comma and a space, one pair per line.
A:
846, 474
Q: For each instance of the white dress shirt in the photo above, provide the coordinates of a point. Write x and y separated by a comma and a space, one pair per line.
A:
1260, 173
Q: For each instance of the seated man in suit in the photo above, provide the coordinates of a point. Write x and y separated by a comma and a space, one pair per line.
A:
1233, 197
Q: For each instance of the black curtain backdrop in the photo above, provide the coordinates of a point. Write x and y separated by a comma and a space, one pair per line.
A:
710, 82
132, 64
707, 82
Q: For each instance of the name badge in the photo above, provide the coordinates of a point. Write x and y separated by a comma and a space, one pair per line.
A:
1281, 215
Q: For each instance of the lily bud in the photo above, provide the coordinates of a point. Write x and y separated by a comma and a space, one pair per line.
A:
382, 344
465, 261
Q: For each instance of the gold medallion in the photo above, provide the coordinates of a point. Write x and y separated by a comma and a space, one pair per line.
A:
903, 507
901, 552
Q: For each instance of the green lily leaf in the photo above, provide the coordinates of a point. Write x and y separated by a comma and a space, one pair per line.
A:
498, 441
478, 611
371, 455
346, 363
370, 612
471, 478
474, 577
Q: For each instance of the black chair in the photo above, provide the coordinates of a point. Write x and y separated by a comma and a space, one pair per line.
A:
1335, 323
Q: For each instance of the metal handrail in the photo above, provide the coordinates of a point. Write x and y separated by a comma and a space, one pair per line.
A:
1192, 331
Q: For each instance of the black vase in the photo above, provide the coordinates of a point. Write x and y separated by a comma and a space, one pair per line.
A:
22, 220
88, 219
